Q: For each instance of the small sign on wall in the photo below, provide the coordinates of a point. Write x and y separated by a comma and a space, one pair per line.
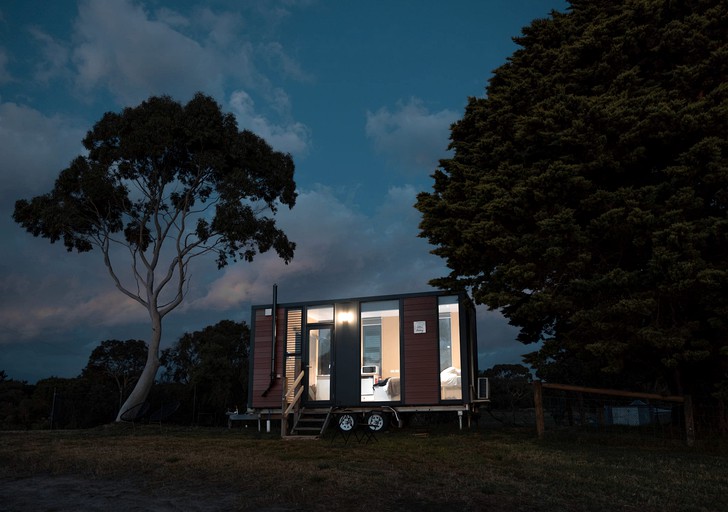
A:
420, 327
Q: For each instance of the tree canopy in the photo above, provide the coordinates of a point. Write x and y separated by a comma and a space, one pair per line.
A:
510, 387
161, 184
214, 363
120, 361
586, 196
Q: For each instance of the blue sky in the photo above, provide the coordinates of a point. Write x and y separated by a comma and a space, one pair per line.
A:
362, 94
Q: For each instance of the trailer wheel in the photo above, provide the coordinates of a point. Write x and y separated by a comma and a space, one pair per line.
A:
378, 421
346, 422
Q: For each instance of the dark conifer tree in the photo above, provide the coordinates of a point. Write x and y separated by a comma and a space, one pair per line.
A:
586, 196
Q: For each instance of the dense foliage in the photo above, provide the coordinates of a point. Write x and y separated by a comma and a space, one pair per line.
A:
166, 183
121, 362
511, 386
206, 372
586, 197
211, 366
57, 403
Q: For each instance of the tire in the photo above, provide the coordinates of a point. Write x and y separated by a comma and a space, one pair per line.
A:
377, 421
346, 422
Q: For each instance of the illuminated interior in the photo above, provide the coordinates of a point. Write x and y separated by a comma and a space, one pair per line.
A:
319, 352
380, 347
450, 367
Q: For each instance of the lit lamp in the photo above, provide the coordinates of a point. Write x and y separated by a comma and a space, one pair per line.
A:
345, 317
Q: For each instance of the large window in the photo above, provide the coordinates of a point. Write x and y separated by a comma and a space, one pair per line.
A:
320, 314
380, 349
450, 368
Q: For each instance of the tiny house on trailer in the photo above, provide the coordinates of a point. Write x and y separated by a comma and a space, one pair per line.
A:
363, 361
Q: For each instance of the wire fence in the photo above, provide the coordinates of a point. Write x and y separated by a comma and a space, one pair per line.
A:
564, 410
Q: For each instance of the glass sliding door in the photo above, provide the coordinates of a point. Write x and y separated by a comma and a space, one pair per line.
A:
380, 351
450, 367
319, 364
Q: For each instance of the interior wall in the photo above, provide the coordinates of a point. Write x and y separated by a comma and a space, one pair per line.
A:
455, 341
390, 347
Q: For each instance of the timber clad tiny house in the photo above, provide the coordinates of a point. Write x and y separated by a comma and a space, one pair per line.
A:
375, 358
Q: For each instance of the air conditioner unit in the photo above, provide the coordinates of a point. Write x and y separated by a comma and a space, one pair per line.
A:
483, 388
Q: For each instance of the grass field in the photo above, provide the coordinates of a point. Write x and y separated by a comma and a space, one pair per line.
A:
441, 469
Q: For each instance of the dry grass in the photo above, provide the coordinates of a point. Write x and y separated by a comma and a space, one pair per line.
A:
403, 470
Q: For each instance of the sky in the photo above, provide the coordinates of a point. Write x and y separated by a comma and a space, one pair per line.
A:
361, 94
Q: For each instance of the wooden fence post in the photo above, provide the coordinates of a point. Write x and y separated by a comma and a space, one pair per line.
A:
689, 421
538, 403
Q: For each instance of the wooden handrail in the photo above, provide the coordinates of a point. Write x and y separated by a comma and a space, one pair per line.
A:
295, 384
287, 398
294, 402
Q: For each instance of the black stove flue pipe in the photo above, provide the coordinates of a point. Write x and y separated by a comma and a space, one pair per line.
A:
273, 342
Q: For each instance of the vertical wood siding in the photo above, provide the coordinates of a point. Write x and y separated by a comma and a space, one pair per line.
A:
261, 359
421, 357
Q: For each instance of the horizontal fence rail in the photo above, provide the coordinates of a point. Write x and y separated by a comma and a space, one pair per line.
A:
599, 408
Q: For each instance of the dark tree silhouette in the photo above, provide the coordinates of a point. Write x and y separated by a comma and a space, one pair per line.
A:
587, 194
162, 184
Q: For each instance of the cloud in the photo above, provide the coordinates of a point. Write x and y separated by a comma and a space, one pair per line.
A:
54, 63
277, 57
136, 53
34, 148
172, 18
121, 48
50, 291
410, 136
42, 317
36, 283
340, 253
291, 137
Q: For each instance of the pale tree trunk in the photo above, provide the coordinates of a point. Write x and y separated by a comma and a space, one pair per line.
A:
141, 390
152, 288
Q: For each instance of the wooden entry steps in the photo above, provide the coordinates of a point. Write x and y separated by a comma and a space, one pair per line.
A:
310, 423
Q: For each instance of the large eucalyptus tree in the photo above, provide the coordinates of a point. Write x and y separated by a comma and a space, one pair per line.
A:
160, 185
